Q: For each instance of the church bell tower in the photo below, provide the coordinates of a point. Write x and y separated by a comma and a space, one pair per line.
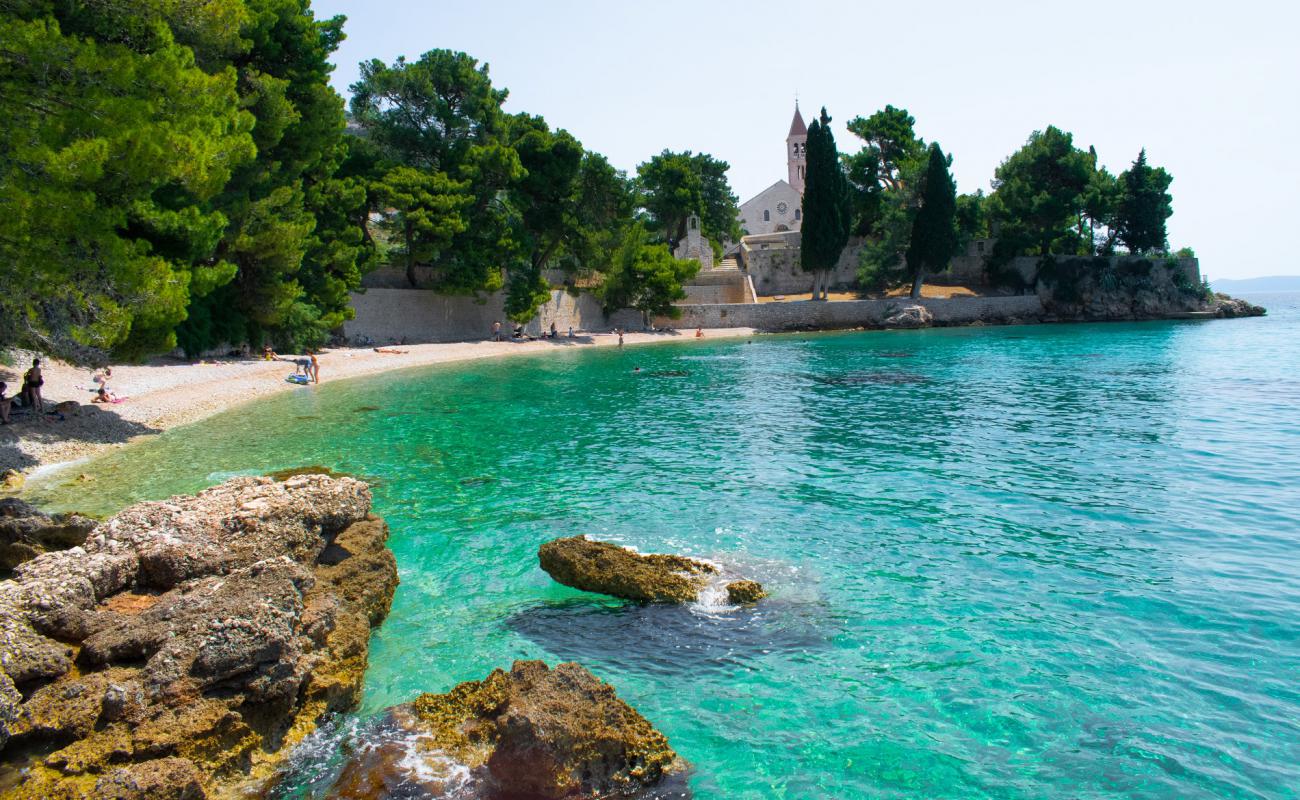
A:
796, 144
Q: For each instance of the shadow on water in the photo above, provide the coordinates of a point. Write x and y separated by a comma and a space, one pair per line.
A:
870, 377
665, 639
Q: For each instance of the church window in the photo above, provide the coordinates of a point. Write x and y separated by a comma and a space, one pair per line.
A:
695, 223
798, 213
767, 215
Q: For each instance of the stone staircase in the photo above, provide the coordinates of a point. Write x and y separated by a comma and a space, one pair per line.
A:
728, 263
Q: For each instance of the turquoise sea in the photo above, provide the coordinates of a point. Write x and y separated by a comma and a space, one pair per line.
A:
1023, 562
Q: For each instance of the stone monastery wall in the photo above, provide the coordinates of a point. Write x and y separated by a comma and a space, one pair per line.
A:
421, 315
855, 313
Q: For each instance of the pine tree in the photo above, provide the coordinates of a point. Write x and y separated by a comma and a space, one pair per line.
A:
934, 233
827, 206
1144, 205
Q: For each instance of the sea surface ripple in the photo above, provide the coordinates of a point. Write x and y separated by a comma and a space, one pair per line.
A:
1030, 562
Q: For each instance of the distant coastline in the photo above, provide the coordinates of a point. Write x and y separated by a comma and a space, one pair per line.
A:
1272, 283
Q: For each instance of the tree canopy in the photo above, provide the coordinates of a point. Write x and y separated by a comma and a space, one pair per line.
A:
644, 275
827, 205
673, 186
886, 175
934, 232
1142, 207
1053, 198
170, 171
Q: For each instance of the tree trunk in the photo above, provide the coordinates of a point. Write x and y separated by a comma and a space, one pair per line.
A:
916, 284
410, 258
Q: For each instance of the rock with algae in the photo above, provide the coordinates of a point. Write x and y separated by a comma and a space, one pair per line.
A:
533, 732
606, 568
609, 569
187, 644
26, 532
742, 592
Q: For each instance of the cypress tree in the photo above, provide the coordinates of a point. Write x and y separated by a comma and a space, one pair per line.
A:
1144, 206
934, 232
827, 206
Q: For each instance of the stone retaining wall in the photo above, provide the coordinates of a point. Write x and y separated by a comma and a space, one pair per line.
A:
717, 286
854, 313
419, 315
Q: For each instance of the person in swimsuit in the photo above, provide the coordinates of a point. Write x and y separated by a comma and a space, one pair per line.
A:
32, 383
6, 403
314, 368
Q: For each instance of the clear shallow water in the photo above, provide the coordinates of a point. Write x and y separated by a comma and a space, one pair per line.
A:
1032, 562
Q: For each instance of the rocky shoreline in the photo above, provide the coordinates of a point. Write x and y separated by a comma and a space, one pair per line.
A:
181, 649
188, 644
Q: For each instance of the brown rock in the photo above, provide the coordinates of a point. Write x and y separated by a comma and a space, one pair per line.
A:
25, 532
609, 569
532, 732
160, 779
741, 592
11, 480
212, 633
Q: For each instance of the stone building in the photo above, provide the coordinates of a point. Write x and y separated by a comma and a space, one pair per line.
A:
779, 207
695, 245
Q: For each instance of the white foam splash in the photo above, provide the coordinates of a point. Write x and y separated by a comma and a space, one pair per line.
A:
713, 599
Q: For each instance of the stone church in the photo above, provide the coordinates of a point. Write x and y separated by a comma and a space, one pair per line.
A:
778, 208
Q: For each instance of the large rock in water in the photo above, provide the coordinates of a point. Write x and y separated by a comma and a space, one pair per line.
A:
210, 634
609, 569
532, 732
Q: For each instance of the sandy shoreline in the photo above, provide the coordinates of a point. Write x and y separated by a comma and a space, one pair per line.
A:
165, 394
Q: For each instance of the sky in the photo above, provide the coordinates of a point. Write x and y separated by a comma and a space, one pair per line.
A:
1211, 90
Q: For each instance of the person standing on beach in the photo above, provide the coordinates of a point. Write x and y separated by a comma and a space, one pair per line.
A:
32, 383
496, 331
620, 337
315, 368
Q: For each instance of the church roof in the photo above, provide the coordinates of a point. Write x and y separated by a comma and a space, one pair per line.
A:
797, 128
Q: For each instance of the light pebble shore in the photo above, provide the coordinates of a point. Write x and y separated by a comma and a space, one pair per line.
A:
164, 394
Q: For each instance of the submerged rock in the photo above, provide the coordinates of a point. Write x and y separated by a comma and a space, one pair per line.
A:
532, 732
210, 634
609, 569
742, 592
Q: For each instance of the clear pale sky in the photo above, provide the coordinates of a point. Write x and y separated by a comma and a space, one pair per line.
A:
1212, 90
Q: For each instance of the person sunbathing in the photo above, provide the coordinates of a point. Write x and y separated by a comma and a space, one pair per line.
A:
6, 403
391, 350
105, 396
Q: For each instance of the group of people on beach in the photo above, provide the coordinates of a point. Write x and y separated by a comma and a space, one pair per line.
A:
29, 396
103, 394
518, 334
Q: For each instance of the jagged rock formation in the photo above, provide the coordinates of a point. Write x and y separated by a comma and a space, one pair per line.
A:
1229, 307
26, 532
609, 569
188, 642
532, 732
656, 578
